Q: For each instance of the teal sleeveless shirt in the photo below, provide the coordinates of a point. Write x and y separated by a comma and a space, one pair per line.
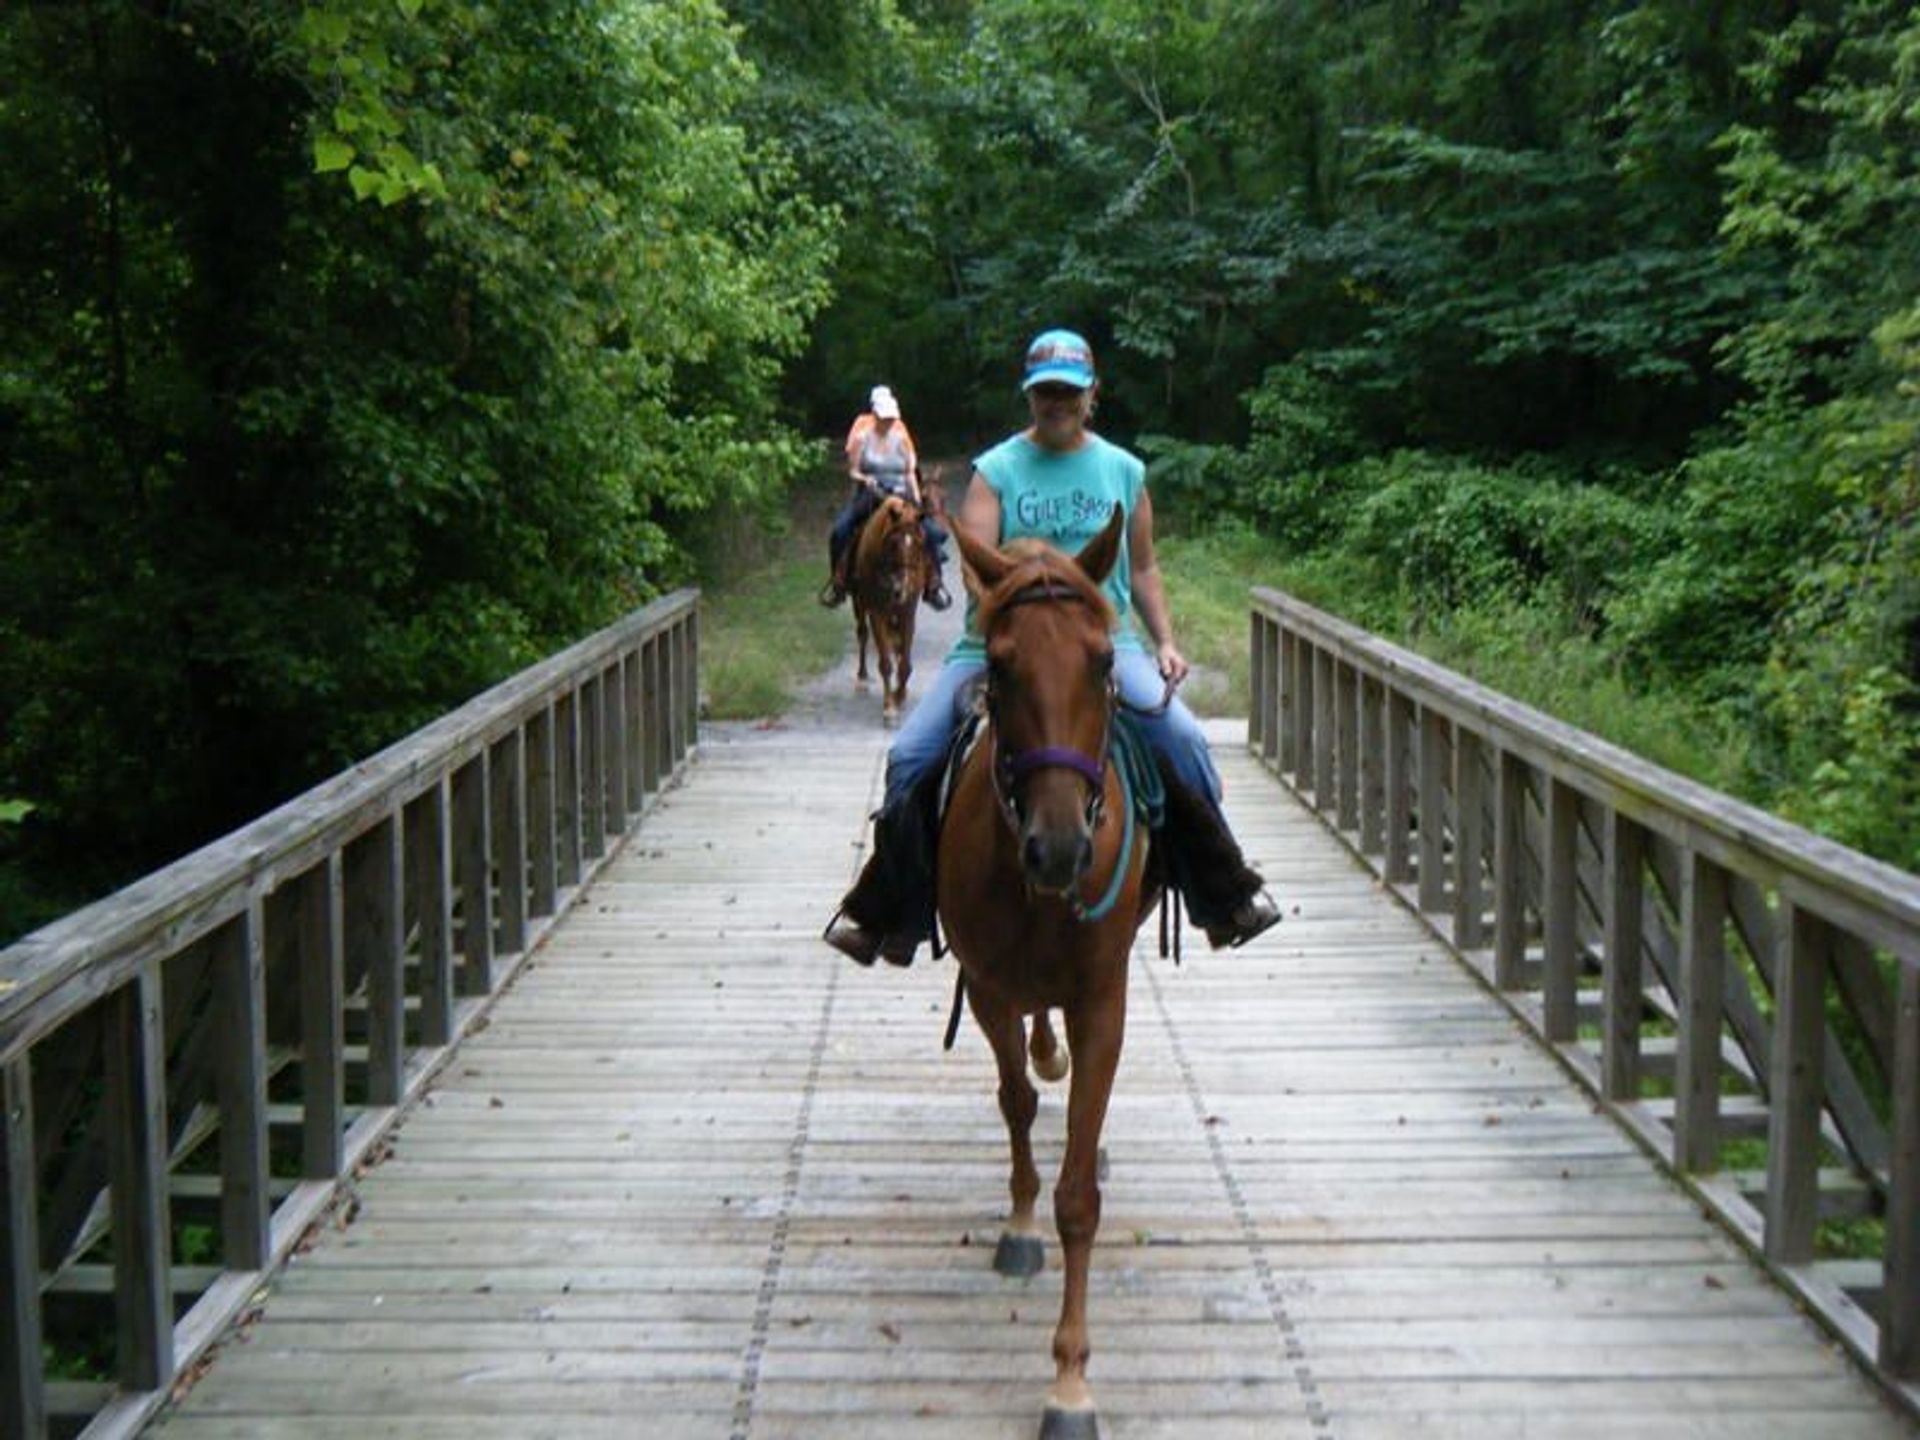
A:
1064, 500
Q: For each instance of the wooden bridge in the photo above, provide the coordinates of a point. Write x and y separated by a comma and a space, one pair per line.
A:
1569, 1100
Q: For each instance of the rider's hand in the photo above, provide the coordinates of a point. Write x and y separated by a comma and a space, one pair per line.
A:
1173, 665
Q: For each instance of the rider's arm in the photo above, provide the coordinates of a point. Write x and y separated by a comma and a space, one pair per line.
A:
1149, 595
980, 511
913, 463
856, 437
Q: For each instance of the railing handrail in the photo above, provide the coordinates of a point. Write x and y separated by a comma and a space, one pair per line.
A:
1880, 900
400, 895
97, 948
1559, 859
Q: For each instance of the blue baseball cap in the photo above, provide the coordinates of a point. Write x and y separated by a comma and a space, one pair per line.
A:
1059, 357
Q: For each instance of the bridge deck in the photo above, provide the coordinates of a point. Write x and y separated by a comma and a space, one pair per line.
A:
700, 1177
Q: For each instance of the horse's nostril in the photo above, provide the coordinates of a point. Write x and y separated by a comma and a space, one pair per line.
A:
1034, 855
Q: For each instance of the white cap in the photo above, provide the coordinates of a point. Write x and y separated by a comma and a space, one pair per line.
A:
882, 403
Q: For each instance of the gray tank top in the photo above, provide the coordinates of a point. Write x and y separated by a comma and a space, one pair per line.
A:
884, 457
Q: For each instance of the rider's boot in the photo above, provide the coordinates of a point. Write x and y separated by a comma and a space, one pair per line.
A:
889, 910
936, 592
835, 590
1224, 895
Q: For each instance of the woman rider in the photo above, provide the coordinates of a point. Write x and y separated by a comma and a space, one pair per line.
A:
882, 460
1057, 481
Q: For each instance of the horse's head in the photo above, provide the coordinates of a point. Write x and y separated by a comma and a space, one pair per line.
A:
904, 549
1049, 637
892, 552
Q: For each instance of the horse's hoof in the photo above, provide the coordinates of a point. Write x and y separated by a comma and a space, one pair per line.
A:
1069, 1424
1019, 1257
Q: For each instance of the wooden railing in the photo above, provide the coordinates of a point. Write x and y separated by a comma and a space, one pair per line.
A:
194, 1067
1727, 983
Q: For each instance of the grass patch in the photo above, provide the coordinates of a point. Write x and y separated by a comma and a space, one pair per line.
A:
762, 633
1207, 577
1528, 652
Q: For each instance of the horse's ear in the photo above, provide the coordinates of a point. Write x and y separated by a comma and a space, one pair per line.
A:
985, 566
1098, 558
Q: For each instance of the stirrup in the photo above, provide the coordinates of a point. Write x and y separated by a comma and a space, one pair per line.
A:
938, 597
1253, 916
851, 938
832, 593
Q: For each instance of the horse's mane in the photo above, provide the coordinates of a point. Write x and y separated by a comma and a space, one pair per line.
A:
1037, 563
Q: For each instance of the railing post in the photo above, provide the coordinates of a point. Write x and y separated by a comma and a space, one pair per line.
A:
1398, 862
473, 873
1372, 758
1509, 884
593, 772
1793, 1120
506, 771
542, 818
1703, 962
1259, 710
1305, 713
374, 891
1325, 703
566, 788
135, 1042
1621, 997
681, 670
613, 709
429, 831
23, 1407
1433, 825
633, 742
1346, 691
1273, 648
1469, 841
1900, 1314
239, 962
318, 918
692, 654
1560, 981
655, 723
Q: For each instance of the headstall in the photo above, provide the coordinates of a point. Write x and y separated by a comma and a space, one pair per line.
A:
1010, 767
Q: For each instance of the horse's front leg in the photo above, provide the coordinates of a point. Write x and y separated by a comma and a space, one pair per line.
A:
903, 656
860, 634
1094, 1031
883, 645
1020, 1252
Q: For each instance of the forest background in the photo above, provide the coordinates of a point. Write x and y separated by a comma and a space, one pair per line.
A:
356, 353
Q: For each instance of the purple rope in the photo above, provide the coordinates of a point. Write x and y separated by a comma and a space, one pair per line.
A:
1059, 756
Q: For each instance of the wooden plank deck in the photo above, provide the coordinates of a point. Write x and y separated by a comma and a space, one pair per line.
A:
700, 1177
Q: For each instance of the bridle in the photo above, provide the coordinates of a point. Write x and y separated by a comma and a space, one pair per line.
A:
1011, 767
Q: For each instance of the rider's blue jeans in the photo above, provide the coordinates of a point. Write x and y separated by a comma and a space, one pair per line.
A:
1176, 737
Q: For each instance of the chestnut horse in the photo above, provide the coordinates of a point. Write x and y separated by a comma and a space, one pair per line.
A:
1040, 890
889, 574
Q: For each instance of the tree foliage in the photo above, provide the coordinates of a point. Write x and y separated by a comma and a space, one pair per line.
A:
356, 354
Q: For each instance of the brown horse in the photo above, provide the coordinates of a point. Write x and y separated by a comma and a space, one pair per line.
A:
889, 575
1041, 889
